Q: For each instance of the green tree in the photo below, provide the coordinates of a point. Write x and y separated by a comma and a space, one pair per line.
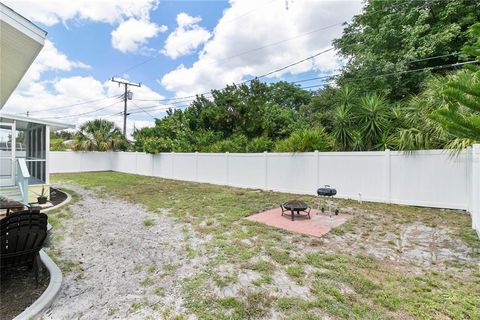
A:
389, 34
99, 135
238, 118
414, 129
288, 95
319, 111
461, 117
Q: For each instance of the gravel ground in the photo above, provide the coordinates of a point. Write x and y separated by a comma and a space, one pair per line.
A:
118, 266
122, 262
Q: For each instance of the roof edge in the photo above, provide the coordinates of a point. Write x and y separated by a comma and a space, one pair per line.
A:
56, 125
21, 23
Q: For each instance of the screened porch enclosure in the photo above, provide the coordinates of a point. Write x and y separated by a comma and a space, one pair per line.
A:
36, 153
24, 151
27, 141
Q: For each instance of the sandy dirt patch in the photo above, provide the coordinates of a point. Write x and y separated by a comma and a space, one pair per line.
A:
121, 267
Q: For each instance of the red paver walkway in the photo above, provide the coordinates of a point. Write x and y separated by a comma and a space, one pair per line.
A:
317, 226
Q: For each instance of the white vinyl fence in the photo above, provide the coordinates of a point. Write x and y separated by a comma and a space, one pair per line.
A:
431, 178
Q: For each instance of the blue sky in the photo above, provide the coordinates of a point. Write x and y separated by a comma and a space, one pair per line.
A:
90, 42
174, 48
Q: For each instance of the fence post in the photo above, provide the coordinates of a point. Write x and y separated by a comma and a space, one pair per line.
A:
317, 155
196, 166
173, 164
387, 176
152, 164
226, 168
265, 157
475, 188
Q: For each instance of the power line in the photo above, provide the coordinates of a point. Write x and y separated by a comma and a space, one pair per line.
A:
446, 66
292, 64
436, 57
280, 42
254, 78
170, 99
247, 13
406, 62
143, 110
73, 105
298, 81
166, 107
162, 108
267, 45
452, 65
277, 70
157, 56
83, 113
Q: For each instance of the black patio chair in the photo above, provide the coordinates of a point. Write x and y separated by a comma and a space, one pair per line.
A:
22, 235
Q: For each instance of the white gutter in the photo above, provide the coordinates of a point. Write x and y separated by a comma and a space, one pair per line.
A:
21, 23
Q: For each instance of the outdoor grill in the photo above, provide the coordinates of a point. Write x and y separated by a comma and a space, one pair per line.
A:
324, 193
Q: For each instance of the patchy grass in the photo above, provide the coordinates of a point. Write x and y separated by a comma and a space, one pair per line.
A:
111, 311
146, 282
148, 223
152, 269
369, 268
58, 218
138, 305
295, 271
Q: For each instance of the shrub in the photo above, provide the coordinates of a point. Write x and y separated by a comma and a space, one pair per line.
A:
306, 140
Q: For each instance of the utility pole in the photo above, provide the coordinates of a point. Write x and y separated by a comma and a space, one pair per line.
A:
125, 98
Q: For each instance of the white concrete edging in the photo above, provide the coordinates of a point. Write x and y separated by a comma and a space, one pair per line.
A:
36, 310
65, 202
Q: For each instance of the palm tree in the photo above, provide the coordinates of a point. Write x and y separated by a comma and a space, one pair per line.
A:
99, 135
342, 131
415, 129
373, 118
343, 120
461, 116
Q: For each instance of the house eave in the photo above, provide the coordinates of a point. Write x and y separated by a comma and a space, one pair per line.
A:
20, 43
22, 24
54, 125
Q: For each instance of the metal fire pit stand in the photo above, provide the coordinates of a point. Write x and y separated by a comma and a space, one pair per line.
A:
324, 194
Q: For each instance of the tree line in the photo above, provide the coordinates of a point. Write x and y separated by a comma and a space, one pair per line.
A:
391, 93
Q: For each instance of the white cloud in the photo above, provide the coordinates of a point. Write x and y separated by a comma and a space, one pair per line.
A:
186, 38
51, 12
47, 60
67, 95
133, 33
261, 24
132, 16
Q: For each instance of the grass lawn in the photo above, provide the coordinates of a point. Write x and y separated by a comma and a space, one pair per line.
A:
388, 261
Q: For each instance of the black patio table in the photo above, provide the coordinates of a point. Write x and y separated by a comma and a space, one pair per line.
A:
9, 204
296, 206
